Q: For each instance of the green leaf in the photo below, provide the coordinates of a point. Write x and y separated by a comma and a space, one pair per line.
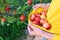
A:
18, 8
2, 9
10, 19
2, 23
45, 1
16, 3
1, 38
23, 8
1, 2
10, 1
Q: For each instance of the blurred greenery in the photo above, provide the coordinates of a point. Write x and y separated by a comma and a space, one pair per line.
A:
13, 27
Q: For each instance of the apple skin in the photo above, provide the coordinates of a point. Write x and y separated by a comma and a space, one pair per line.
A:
29, 2
43, 21
37, 19
47, 25
3, 19
32, 18
36, 22
7, 8
22, 17
43, 12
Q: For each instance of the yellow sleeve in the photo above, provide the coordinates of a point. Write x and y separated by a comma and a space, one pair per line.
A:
53, 16
56, 37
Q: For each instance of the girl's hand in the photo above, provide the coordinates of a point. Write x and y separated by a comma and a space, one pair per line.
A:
36, 31
33, 30
41, 5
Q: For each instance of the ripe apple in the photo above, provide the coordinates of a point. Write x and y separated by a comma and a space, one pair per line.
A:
47, 26
22, 17
29, 2
36, 22
7, 8
43, 12
32, 17
43, 21
3, 19
37, 19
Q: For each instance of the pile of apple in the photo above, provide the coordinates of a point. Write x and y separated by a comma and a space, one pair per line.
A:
40, 19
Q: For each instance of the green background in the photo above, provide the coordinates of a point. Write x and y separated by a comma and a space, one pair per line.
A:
13, 28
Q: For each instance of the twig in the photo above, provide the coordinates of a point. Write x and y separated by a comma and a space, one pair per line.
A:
24, 23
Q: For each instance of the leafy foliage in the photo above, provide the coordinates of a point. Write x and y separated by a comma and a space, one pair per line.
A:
13, 26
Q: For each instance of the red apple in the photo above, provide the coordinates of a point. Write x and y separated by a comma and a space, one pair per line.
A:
36, 22
37, 19
43, 21
3, 19
29, 2
32, 17
47, 26
43, 12
7, 8
22, 17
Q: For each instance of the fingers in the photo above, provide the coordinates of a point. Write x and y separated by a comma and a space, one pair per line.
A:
31, 29
47, 5
41, 5
38, 5
31, 26
31, 32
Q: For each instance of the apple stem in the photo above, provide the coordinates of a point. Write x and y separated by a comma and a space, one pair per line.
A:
24, 23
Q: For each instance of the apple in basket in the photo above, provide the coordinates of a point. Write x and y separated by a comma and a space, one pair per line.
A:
40, 19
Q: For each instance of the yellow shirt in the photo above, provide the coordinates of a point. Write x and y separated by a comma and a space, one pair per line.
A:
53, 16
